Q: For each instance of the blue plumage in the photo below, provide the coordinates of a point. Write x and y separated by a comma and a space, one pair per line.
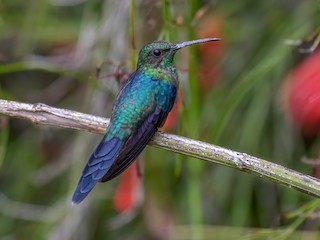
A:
97, 166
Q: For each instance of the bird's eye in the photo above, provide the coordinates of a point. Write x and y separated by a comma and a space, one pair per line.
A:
156, 52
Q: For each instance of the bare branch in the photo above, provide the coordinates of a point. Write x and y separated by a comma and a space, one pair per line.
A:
42, 114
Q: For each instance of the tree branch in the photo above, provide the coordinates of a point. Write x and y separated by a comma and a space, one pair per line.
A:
45, 115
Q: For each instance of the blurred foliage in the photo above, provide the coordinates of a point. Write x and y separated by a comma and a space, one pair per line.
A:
232, 96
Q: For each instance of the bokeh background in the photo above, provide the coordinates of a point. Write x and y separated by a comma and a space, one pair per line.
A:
257, 91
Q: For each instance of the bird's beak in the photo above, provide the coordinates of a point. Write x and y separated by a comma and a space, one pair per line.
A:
178, 46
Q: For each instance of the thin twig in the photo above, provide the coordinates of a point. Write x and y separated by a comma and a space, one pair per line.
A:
45, 115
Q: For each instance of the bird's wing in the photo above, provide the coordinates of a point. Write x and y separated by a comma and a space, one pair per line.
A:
134, 146
138, 141
101, 159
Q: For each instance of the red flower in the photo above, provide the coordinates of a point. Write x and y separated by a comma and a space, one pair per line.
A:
128, 193
210, 54
174, 115
303, 95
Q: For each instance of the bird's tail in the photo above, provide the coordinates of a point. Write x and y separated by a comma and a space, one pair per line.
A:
98, 165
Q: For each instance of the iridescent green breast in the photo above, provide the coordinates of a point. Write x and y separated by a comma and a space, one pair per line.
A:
137, 100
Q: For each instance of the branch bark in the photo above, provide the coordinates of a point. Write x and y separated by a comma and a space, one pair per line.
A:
45, 115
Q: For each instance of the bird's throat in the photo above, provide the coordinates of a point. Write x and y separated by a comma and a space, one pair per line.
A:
168, 74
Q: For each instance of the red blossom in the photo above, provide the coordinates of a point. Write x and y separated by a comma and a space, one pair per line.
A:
302, 90
129, 189
174, 115
210, 54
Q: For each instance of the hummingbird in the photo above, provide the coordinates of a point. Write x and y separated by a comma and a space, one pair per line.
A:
140, 108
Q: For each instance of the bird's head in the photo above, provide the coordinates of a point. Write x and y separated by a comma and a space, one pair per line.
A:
159, 54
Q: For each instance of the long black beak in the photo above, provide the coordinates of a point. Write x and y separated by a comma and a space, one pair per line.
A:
188, 43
